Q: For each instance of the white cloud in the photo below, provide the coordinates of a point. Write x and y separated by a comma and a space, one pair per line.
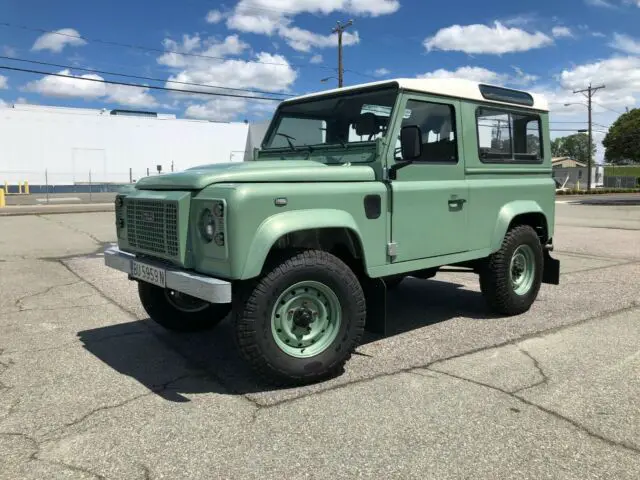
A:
264, 71
65, 87
214, 16
484, 39
303, 40
131, 96
219, 109
57, 40
68, 87
232, 45
600, 3
4, 82
484, 75
3, 104
620, 75
227, 109
560, 32
381, 72
8, 51
316, 59
275, 17
626, 44
611, 3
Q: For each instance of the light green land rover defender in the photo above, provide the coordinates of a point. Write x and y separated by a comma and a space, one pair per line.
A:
352, 190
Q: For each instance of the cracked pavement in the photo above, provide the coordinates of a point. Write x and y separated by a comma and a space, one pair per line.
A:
90, 388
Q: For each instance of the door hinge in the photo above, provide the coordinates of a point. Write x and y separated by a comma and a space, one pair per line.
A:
392, 249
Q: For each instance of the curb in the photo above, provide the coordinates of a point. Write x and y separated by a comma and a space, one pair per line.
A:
23, 210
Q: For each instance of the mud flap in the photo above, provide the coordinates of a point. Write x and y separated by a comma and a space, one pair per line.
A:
375, 292
551, 272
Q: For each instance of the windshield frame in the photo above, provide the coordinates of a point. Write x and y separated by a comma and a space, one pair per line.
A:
391, 87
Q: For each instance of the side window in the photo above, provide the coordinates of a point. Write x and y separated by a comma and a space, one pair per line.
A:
437, 121
508, 136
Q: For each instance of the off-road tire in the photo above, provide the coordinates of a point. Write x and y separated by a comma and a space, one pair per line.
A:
495, 277
254, 304
164, 313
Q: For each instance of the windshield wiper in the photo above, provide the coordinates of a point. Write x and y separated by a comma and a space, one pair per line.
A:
289, 138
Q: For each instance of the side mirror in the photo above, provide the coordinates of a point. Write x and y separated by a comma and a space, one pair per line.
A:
411, 142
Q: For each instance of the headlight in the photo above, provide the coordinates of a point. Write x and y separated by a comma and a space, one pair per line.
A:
207, 225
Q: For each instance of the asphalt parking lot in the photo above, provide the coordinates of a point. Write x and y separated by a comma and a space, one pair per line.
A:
89, 388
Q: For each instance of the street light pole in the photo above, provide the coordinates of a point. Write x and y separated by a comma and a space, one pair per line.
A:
339, 29
590, 91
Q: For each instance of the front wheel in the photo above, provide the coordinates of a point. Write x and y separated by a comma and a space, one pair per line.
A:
511, 279
302, 320
179, 312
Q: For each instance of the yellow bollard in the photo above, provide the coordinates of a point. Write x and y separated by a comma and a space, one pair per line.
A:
26, 187
19, 187
2, 202
6, 187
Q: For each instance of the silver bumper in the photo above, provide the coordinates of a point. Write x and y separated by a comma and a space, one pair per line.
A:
200, 286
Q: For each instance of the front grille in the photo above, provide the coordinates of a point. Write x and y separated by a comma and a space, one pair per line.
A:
152, 225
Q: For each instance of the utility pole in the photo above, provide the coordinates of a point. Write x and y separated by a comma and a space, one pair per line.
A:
339, 29
590, 91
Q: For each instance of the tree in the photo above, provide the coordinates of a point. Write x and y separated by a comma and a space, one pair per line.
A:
622, 141
573, 146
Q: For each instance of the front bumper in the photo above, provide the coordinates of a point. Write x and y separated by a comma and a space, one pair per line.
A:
200, 286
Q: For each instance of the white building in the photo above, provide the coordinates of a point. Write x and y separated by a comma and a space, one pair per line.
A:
66, 146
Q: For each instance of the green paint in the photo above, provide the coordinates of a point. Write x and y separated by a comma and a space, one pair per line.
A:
306, 319
325, 188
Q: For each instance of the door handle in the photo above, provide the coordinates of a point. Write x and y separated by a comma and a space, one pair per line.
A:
457, 202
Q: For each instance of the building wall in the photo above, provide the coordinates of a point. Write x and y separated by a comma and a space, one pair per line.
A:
70, 144
577, 176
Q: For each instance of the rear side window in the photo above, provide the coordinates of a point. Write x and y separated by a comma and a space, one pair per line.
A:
508, 137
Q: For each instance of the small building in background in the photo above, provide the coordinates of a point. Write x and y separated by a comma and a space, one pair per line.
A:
570, 173
72, 146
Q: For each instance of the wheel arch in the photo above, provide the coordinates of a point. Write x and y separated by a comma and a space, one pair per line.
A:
332, 230
520, 212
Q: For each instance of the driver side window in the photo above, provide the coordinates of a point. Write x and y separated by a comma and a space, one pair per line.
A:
437, 123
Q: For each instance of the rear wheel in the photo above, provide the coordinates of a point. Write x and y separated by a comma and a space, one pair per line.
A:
302, 320
511, 279
180, 312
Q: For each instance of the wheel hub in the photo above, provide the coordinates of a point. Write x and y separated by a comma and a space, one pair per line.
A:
306, 319
522, 269
303, 317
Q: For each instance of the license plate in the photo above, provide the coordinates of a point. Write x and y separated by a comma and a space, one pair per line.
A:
148, 273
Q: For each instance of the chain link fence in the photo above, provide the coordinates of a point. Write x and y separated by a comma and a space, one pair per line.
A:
49, 186
620, 181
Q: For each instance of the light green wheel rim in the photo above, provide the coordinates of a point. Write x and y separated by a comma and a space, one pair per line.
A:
306, 319
522, 270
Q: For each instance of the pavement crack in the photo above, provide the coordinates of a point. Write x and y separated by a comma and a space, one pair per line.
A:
34, 457
19, 303
55, 434
69, 227
544, 378
554, 414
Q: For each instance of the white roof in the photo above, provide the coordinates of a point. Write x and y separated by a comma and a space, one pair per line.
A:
451, 87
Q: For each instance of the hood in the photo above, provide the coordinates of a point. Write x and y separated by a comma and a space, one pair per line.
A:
198, 178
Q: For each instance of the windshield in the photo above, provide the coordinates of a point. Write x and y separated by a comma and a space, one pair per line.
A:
344, 120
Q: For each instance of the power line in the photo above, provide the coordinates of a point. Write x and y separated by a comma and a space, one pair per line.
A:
151, 49
153, 87
144, 78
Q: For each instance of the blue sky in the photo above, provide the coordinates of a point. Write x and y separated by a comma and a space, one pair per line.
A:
286, 46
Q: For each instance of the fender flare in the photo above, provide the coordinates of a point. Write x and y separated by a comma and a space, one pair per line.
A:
506, 215
274, 227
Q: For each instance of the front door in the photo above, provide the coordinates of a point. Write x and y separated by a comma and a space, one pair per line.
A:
429, 211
